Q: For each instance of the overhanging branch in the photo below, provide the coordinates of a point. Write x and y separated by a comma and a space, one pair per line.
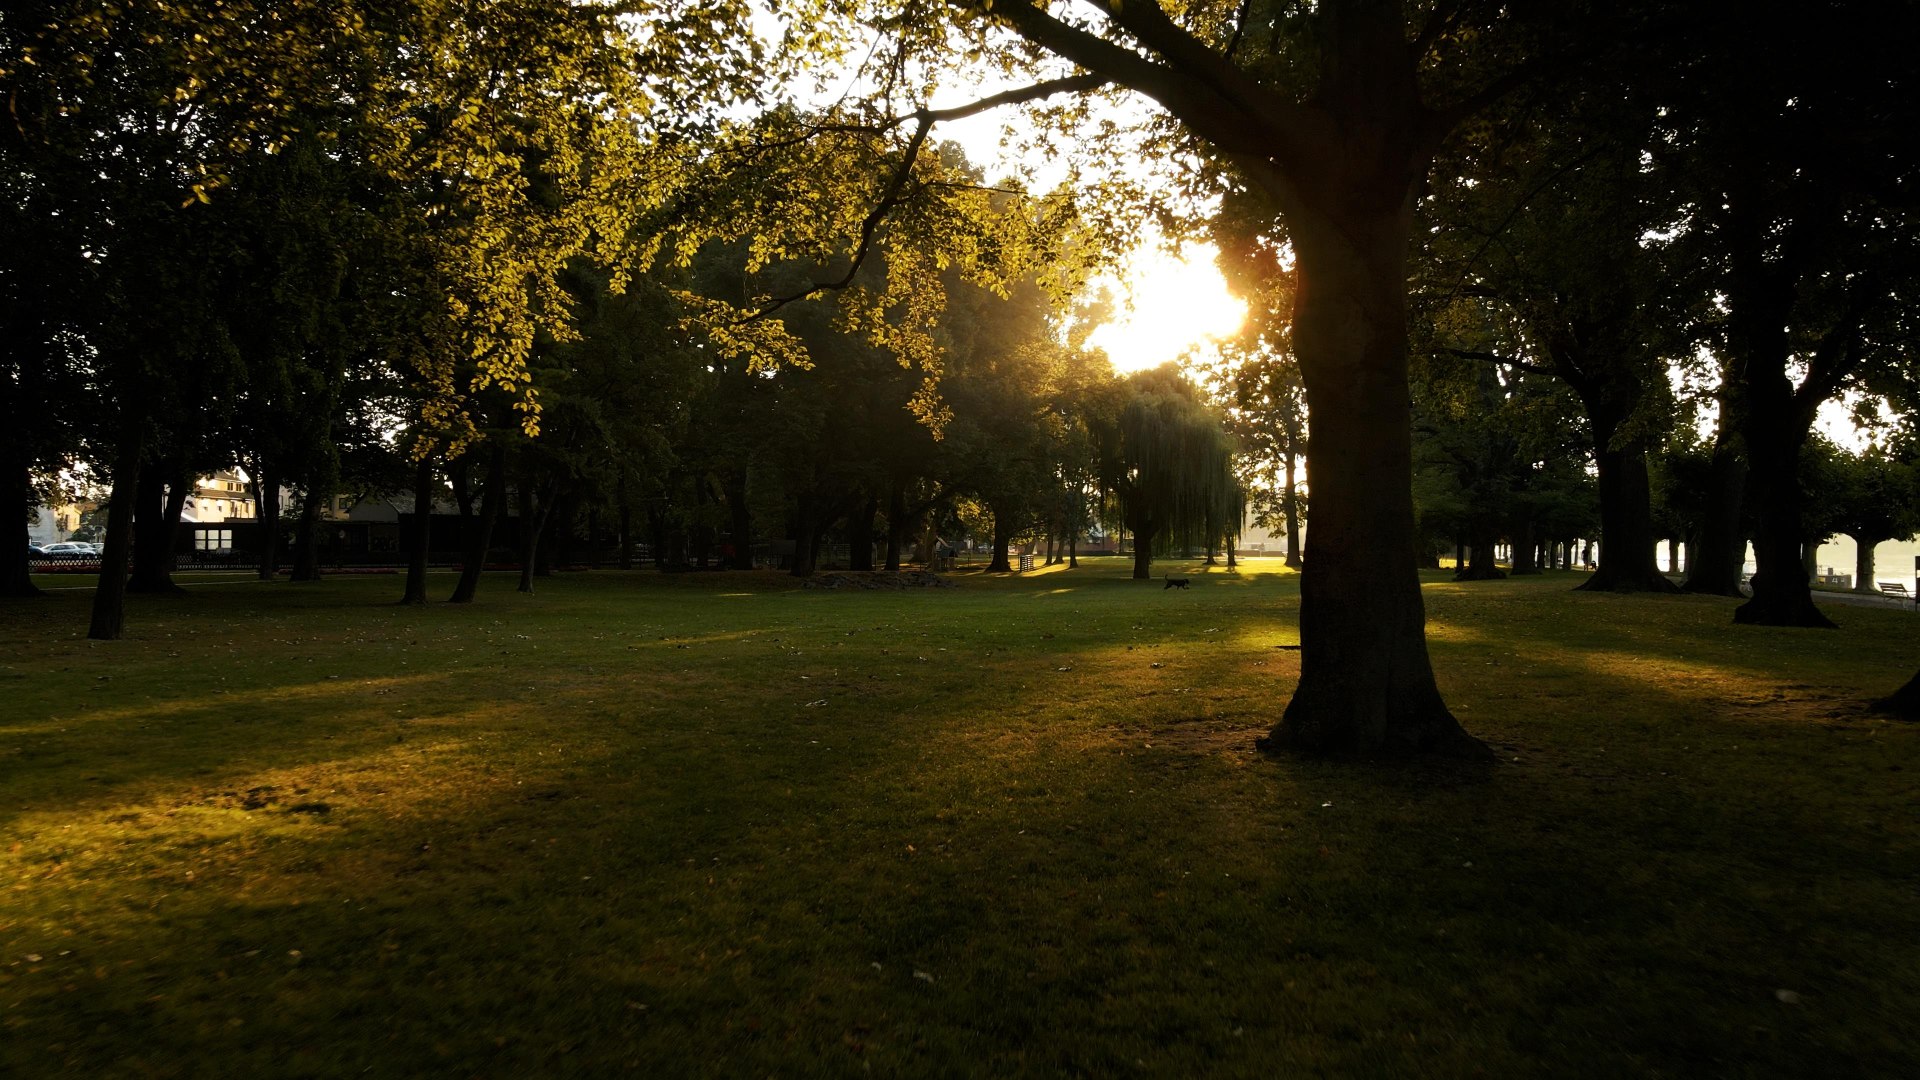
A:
898, 192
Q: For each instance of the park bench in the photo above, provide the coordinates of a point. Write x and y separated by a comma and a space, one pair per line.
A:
1892, 588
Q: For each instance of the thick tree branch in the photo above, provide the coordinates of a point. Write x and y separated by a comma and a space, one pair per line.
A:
1285, 121
897, 191
1212, 115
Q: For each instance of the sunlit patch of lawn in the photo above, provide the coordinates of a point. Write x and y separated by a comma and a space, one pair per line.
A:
715, 824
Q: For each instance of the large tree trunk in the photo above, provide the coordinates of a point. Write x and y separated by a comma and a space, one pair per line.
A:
1863, 564
1782, 590
1366, 682
156, 515
1002, 541
1143, 537
1523, 561
1904, 702
1627, 552
1480, 556
1714, 568
416, 591
475, 557
110, 596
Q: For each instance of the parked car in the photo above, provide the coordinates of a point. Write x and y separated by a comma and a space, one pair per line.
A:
34, 550
69, 549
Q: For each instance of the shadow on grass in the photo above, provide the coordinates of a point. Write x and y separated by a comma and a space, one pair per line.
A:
643, 842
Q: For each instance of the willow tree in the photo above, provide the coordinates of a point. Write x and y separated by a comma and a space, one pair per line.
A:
1166, 464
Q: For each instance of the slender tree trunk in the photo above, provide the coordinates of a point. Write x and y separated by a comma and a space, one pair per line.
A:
1627, 563
416, 591
896, 524
740, 517
557, 512
1863, 564
529, 536
1073, 551
18, 579
494, 494
1366, 681
860, 535
805, 532
1673, 554
306, 543
266, 497
626, 532
110, 596
1716, 565
16, 465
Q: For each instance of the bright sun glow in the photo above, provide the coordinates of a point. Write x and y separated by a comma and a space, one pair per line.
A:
1178, 302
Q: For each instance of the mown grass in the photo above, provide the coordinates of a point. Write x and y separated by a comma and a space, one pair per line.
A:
715, 825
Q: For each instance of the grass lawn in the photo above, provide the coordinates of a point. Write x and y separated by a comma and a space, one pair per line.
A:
716, 825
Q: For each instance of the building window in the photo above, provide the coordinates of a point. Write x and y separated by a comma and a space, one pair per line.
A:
213, 539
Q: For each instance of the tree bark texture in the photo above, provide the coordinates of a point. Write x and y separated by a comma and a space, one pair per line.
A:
1366, 681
